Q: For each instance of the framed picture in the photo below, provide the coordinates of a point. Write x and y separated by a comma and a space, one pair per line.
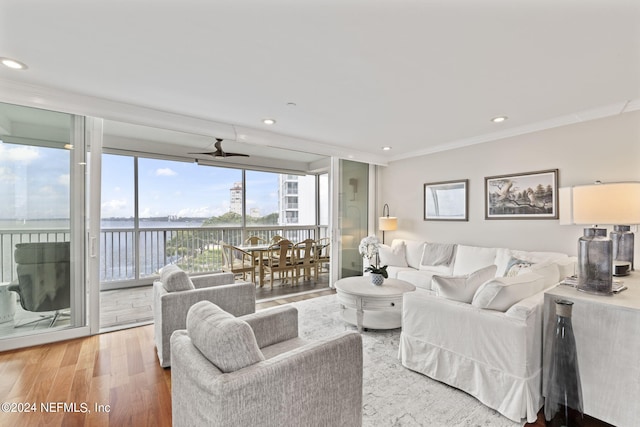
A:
446, 201
532, 195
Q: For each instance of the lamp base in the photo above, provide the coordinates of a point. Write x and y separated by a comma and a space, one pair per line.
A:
595, 262
623, 238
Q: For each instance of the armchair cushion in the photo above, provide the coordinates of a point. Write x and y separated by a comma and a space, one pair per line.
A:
227, 341
394, 254
174, 279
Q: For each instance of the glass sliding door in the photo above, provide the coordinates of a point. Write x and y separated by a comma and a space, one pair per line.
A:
42, 228
353, 201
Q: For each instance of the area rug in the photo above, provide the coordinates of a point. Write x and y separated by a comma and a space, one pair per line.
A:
392, 394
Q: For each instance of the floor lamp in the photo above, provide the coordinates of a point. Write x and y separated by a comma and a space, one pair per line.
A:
615, 203
387, 223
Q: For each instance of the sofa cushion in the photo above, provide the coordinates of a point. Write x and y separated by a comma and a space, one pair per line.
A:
414, 252
549, 270
515, 265
227, 341
462, 288
394, 271
504, 255
174, 279
471, 258
437, 254
393, 255
418, 278
501, 293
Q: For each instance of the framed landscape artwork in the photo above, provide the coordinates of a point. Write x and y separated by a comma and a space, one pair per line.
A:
446, 201
532, 195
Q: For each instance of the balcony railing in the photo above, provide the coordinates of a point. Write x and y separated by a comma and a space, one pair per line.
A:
130, 256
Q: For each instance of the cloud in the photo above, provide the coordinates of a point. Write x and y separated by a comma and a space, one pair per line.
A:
115, 208
165, 172
22, 154
64, 179
7, 175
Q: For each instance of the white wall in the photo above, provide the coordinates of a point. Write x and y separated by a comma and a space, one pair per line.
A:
605, 149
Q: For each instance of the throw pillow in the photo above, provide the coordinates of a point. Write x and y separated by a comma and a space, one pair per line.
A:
174, 279
436, 254
501, 293
548, 270
462, 288
393, 255
226, 341
471, 258
515, 265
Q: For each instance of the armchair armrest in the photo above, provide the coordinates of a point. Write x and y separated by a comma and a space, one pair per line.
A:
215, 279
273, 325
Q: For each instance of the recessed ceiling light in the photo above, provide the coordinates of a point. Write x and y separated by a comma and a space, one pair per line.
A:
269, 121
13, 64
387, 148
499, 119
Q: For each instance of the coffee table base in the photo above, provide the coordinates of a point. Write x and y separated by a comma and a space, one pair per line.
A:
372, 319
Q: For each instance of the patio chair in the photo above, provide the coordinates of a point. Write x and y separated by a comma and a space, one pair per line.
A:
238, 262
305, 259
323, 253
254, 240
279, 260
44, 279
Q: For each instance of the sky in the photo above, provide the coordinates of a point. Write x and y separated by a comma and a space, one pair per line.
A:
34, 184
180, 188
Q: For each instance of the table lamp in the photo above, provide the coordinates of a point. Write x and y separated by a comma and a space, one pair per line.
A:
387, 223
614, 203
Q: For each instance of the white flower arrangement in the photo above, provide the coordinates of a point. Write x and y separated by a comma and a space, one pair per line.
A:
369, 248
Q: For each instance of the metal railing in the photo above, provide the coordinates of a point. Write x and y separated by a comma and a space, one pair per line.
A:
132, 256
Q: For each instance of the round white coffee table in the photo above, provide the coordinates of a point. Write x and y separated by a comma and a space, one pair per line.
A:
368, 306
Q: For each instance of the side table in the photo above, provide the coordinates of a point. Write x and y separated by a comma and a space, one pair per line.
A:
369, 306
607, 332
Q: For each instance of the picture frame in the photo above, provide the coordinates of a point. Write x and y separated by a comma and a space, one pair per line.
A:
529, 195
446, 201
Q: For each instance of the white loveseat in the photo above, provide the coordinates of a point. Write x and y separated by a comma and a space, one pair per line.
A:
469, 326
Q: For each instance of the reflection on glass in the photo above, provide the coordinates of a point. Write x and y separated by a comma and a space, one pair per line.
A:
36, 268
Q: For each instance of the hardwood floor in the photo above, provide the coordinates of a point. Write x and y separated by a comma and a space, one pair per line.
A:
112, 379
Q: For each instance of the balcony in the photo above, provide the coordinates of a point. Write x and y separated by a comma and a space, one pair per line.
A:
131, 257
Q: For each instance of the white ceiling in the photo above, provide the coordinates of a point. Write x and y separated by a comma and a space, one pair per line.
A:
418, 76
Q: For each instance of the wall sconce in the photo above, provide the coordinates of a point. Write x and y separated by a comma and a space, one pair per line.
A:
387, 223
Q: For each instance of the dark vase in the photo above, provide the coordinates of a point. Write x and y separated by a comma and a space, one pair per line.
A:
563, 402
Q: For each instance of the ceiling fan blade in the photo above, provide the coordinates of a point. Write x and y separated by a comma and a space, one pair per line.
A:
235, 154
212, 153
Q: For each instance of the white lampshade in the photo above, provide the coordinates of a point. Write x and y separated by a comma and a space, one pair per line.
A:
600, 204
388, 223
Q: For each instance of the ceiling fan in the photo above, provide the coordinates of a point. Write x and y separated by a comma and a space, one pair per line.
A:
220, 152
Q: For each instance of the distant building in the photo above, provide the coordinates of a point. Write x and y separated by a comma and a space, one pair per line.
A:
236, 198
296, 203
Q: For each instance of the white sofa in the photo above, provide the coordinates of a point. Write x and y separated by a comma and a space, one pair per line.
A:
469, 326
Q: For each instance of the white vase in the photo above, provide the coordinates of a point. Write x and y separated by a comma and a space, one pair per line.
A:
377, 279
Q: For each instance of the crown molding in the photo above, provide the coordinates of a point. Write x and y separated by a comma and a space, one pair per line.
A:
569, 119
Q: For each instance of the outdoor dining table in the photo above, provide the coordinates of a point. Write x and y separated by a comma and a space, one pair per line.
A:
256, 251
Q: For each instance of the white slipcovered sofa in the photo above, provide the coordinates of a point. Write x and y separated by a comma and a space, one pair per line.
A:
475, 320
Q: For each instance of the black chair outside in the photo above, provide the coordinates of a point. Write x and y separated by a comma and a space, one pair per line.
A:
44, 278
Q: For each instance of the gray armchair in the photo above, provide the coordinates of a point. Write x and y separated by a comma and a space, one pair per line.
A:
175, 292
255, 371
